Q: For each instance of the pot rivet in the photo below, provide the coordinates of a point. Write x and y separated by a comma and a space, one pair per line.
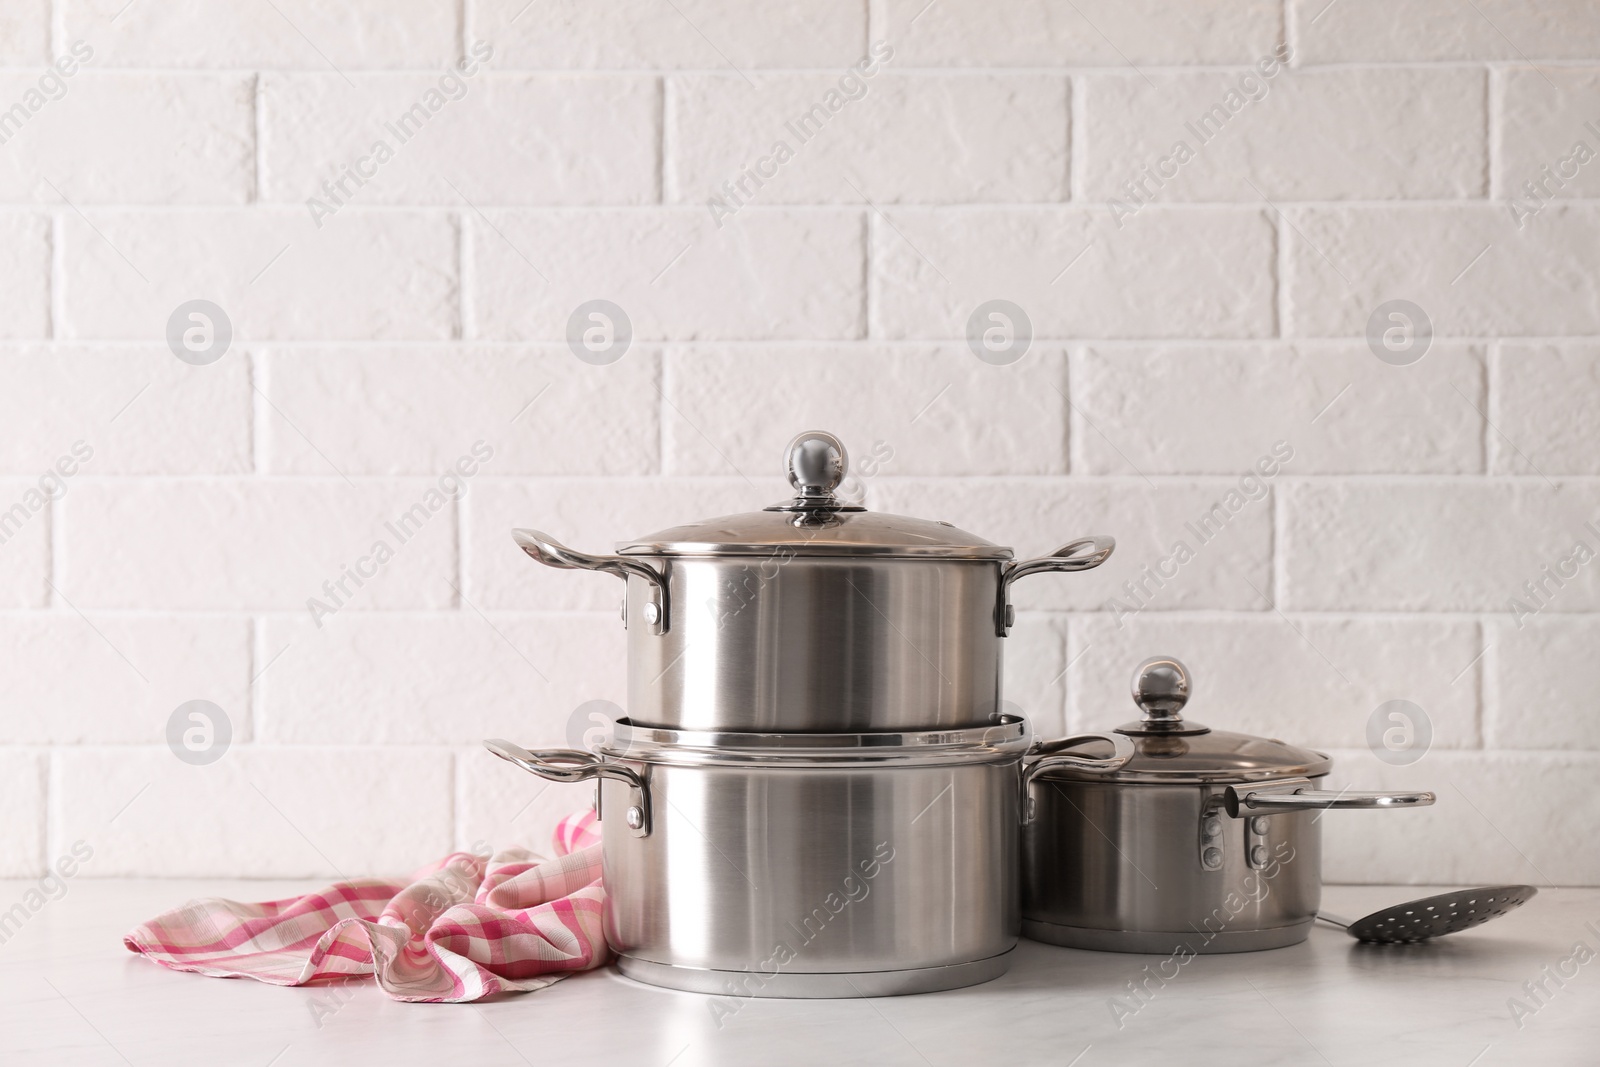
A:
1212, 857
1212, 826
1258, 824
652, 612
634, 817
1258, 856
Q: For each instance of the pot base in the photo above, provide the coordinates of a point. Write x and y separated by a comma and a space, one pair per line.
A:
816, 986
1165, 943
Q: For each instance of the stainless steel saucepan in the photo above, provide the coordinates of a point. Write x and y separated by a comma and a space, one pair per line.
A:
812, 865
815, 614
1206, 841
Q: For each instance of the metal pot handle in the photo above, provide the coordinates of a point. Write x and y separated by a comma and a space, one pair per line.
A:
1080, 555
552, 553
1296, 797
1053, 754
570, 765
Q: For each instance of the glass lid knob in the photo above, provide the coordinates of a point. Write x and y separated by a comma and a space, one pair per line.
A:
817, 462
1161, 689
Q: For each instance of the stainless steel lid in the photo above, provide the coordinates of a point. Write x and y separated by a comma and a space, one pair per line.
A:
816, 522
1173, 750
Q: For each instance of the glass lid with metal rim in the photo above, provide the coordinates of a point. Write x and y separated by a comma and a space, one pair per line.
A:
816, 522
1172, 750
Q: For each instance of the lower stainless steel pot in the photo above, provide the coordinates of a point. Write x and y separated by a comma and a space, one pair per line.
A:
1206, 841
809, 865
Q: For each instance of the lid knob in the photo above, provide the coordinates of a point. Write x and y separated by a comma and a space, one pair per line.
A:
817, 463
1161, 689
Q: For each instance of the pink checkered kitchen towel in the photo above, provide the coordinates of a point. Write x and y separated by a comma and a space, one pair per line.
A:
460, 929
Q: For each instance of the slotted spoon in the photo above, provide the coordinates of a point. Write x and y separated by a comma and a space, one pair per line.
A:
1430, 917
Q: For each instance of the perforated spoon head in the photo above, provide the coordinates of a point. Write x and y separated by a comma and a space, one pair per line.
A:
1447, 913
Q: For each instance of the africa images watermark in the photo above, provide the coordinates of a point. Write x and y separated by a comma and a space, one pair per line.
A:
199, 732
401, 529
1153, 177
51, 86
452, 86
1154, 977
739, 190
1537, 992
52, 485
853, 490
1252, 488
1540, 590
853, 890
1538, 192
53, 886
1399, 732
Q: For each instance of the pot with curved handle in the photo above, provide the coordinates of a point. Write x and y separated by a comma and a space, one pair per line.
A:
811, 865
657, 607
1083, 554
1205, 841
571, 765
1298, 795
815, 614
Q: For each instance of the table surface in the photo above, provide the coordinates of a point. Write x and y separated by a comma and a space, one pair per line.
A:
71, 994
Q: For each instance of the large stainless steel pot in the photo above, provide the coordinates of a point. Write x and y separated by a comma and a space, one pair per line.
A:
815, 614
810, 865
1206, 841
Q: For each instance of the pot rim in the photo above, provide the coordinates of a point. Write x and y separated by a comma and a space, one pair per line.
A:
1005, 739
1314, 769
776, 550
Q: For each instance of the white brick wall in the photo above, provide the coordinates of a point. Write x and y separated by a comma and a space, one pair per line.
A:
926, 138
178, 139
523, 138
361, 34
1306, 135
1181, 329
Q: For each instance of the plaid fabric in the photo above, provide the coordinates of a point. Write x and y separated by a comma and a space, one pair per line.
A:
459, 929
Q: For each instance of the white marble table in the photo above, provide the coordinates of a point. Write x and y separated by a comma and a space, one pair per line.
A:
70, 994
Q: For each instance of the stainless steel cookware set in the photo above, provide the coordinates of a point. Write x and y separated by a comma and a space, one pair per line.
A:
816, 793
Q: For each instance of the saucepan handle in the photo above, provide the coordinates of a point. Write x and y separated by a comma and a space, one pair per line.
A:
1080, 555
570, 765
1048, 755
1244, 801
552, 553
